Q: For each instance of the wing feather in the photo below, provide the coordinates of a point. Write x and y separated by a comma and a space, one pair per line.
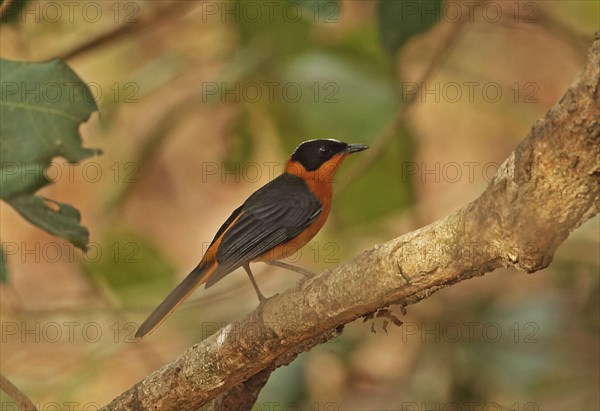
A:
273, 215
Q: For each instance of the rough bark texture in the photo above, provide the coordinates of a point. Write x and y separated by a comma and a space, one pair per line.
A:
547, 187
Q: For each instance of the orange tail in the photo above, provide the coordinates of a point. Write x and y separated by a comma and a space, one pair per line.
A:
197, 277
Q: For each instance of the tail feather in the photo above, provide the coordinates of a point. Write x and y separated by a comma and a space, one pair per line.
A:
194, 279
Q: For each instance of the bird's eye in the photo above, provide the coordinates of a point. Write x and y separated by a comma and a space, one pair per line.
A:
324, 150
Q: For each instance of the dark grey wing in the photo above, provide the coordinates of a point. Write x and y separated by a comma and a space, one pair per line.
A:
226, 224
273, 215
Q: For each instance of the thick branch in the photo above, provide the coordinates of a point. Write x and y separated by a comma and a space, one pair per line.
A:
547, 187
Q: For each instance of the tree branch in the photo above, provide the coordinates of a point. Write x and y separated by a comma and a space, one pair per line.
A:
545, 189
149, 17
23, 402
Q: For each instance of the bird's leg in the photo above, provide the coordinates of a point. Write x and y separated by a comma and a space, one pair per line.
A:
261, 297
290, 267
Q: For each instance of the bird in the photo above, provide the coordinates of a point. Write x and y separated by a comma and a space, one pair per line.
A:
283, 215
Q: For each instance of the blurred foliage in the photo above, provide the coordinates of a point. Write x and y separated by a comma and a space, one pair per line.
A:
3, 267
386, 180
345, 102
399, 20
13, 12
275, 33
134, 269
241, 147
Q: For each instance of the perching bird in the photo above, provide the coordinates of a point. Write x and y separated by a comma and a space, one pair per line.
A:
283, 215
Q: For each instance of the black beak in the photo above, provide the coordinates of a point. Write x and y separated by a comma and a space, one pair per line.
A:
355, 148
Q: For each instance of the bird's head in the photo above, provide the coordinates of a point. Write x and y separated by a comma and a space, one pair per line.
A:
320, 159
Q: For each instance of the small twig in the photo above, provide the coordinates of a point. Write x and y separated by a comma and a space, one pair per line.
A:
148, 19
24, 403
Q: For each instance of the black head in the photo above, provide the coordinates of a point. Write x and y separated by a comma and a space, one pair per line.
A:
313, 153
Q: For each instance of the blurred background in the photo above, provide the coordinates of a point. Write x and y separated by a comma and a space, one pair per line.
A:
200, 103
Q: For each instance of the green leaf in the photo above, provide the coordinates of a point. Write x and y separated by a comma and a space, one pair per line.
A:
56, 218
399, 20
41, 107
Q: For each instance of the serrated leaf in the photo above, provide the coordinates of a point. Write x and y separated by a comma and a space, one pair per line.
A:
41, 108
399, 20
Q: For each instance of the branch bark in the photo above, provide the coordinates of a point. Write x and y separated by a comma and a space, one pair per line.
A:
545, 189
22, 400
